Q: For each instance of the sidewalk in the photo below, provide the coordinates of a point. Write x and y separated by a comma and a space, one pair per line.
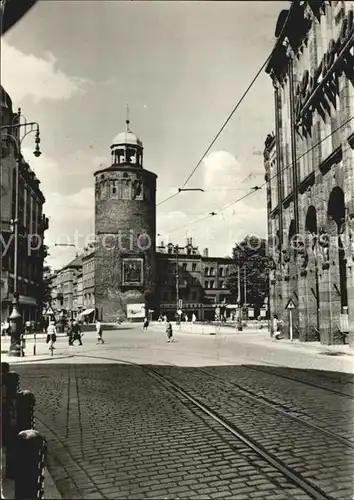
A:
41, 349
257, 336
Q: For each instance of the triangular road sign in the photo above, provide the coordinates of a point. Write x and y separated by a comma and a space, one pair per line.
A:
290, 304
49, 311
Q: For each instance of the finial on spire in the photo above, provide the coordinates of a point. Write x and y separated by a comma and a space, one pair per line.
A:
127, 121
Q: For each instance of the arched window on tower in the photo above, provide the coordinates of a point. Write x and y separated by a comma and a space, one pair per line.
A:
120, 156
104, 190
131, 156
126, 189
114, 190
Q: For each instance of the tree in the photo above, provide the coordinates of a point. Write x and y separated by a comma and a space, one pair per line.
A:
44, 288
250, 254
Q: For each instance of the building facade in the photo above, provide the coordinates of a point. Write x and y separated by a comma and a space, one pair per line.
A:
32, 223
198, 281
125, 228
311, 179
88, 278
65, 288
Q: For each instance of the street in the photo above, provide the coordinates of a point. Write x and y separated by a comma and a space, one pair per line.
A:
208, 416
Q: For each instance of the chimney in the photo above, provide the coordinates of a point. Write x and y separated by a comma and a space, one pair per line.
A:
206, 252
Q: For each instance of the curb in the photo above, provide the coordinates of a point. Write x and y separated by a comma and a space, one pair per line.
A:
12, 361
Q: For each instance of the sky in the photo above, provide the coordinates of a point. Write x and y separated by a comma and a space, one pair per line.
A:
182, 66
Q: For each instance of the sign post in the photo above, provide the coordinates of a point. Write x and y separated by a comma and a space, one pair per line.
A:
290, 306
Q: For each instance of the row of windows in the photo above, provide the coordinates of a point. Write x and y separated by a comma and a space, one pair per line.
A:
120, 190
211, 284
131, 156
89, 299
168, 295
89, 266
187, 266
212, 272
88, 282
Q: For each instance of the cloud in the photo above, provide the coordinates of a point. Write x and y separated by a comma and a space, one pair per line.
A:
71, 221
224, 180
36, 77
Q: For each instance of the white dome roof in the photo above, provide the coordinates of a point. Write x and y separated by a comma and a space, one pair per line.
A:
127, 137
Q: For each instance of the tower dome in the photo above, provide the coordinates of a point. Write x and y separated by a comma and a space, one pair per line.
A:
127, 137
127, 148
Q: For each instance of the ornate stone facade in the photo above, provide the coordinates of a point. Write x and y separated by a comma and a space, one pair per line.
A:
311, 192
32, 223
125, 227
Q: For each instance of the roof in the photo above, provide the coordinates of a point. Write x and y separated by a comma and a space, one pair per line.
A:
127, 137
77, 262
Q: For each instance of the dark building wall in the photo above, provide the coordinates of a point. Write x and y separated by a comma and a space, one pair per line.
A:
125, 229
31, 227
194, 272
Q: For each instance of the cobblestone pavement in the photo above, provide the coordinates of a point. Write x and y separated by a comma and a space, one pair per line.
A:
115, 432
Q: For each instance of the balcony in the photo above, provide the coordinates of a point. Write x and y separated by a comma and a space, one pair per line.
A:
43, 224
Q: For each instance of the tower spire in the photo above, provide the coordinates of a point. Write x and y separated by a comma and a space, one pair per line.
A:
127, 121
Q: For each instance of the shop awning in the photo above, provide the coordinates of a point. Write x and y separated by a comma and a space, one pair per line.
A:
86, 312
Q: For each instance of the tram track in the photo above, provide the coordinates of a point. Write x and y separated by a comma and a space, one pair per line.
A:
201, 408
278, 407
304, 382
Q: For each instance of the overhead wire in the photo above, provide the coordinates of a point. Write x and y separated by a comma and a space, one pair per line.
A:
231, 114
257, 188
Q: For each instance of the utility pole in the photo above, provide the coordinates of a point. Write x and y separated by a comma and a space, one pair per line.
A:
245, 287
239, 319
177, 282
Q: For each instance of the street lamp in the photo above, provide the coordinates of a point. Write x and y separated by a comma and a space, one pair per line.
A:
15, 316
177, 284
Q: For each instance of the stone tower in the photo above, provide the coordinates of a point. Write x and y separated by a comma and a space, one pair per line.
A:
125, 228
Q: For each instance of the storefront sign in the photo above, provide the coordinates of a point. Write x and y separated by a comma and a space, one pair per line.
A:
309, 83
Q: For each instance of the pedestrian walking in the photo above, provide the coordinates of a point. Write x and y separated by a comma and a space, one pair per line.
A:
99, 332
76, 333
169, 332
277, 327
51, 335
146, 324
5, 328
194, 318
28, 327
